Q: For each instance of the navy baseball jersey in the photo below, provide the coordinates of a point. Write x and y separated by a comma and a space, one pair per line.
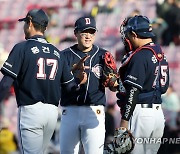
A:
37, 65
91, 93
141, 68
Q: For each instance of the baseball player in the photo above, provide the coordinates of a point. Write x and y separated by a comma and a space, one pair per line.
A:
145, 76
37, 70
83, 117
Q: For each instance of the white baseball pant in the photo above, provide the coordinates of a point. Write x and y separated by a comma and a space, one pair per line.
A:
85, 124
147, 123
36, 125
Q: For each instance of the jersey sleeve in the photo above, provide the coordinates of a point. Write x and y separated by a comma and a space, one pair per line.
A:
67, 75
136, 72
5, 85
13, 64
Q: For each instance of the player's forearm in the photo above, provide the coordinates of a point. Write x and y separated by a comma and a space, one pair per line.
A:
5, 85
131, 100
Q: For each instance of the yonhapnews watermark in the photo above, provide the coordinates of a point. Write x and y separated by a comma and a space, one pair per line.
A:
140, 140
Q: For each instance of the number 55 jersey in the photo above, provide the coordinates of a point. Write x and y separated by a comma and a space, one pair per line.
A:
146, 69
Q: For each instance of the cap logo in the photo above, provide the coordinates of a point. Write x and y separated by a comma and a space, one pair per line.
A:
88, 21
150, 27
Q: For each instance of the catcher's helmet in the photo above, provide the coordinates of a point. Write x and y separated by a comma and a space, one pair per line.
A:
140, 25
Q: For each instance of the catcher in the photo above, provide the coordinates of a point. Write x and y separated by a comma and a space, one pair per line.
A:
123, 140
145, 76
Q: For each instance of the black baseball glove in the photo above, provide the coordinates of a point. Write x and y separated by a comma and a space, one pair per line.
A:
123, 142
110, 74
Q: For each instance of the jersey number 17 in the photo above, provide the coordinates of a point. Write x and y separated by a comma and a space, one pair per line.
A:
42, 63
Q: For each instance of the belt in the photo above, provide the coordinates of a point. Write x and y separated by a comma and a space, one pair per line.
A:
146, 105
156, 106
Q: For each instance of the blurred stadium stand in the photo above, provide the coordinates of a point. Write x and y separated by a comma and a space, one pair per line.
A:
67, 11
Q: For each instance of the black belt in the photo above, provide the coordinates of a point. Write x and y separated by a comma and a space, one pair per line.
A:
150, 106
146, 105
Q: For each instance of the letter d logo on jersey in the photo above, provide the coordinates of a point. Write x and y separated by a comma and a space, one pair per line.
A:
88, 21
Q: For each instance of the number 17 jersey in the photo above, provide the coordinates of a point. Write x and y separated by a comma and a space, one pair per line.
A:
39, 69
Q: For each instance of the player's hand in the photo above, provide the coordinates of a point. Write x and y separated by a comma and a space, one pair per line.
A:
82, 77
80, 65
124, 123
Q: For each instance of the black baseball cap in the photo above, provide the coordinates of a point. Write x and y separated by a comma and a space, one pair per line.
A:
85, 23
141, 26
38, 16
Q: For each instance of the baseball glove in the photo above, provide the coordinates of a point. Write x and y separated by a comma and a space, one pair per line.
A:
110, 74
123, 142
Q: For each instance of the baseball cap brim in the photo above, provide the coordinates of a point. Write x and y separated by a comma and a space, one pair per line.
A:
22, 19
146, 34
83, 29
